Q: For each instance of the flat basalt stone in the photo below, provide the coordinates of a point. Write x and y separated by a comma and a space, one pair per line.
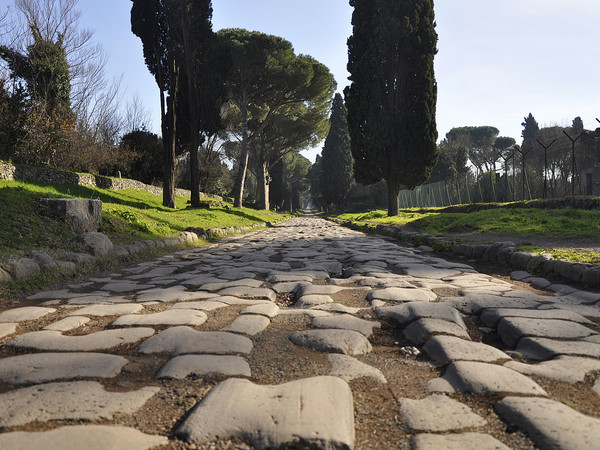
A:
347, 342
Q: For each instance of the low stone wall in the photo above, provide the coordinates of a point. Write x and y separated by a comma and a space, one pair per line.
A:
502, 253
51, 176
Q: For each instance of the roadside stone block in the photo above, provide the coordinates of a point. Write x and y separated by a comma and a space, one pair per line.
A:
81, 214
346, 342
446, 349
184, 366
483, 378
438, 413
94, 243
551, 424
270, 417
511, 329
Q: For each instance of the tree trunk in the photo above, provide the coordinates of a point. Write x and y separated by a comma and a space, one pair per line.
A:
263, 187
393, 202
171, 142
241, 176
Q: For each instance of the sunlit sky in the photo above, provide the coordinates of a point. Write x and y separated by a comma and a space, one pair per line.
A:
498, 60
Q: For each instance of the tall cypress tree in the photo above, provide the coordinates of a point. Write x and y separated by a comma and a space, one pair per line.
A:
336, 163
391, 101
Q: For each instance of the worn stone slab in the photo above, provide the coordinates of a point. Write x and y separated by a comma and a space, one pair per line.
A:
446, 349
551, 424
78, 400
438, 413
474, 304
461, 441
483, 378
349, 368
538, 282
101, 340
267, 309
6, 329
308, 301
347, 342
248, 324
24, 313
542, 348
491, 317
312, 313
190, 317
511, 329
249, 292
346, 322
409, 312
270, 416
185, 366
337, 308
230, 300
67, 324
289, 286
285, 277
171, 294
318, 289
202, 305
186, 340
394, 294
427, 271
570, 369
44, 367
124, 286
217, 286
92, 299
422, 329
108, 310
90, 437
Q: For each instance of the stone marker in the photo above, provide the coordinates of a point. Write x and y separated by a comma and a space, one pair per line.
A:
77, 400
44, 367
462, 441
551, 424
89, 437
312, 412
347, 342
349, 368
438, 413
184, 366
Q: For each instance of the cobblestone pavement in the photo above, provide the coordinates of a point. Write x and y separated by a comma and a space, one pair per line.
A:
305, 335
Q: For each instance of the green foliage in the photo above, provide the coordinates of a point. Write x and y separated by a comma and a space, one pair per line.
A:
391, 101
147, 150
530, 131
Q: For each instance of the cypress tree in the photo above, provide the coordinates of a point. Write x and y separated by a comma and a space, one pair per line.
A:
391, 101
336, 163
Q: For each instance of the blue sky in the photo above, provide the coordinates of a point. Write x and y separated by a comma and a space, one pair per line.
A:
498, 60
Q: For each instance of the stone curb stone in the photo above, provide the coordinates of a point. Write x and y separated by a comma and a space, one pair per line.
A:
570, 369
542, 348
90, 437
551, 424
438, 413
446, 349
190, 317
511, 329
101, 340
490, 317
5, 277
22, 268
78, 400
266, 309
182, 367
483, 378
7, 329
347, 342
186, 340
349, 368
346, 322
67, 324
422, 329
108, 310
248, 324
25, 313
402, 295
97, 244
269, 416
462, 441
44, 367
409, 312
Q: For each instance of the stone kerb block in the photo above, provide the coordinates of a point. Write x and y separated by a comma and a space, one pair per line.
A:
82, 214
94, 243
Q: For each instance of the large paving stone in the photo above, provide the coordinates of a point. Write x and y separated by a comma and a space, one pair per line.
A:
408, 312
6, 329
231, 300
77, 400
309, 413
124, 286
511, 329
349, 368
542, 348
395, 294
570, 369
308, 301
346, 322
249, 292
346, 342
217, 286
267, 309
101, 340
249, 324
108, 310
337, 308
44, 367
202, 305
446, 349
483, 378
93, 299
67, 324
491, 317
422, 329
190, 317
184, 366
171, 294
551, 424
427, 271
438, 413
474, 304
24, 313
318, 289
90, 437
186, 340
461, 441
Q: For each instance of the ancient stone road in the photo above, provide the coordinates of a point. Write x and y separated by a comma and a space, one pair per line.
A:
307, 335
